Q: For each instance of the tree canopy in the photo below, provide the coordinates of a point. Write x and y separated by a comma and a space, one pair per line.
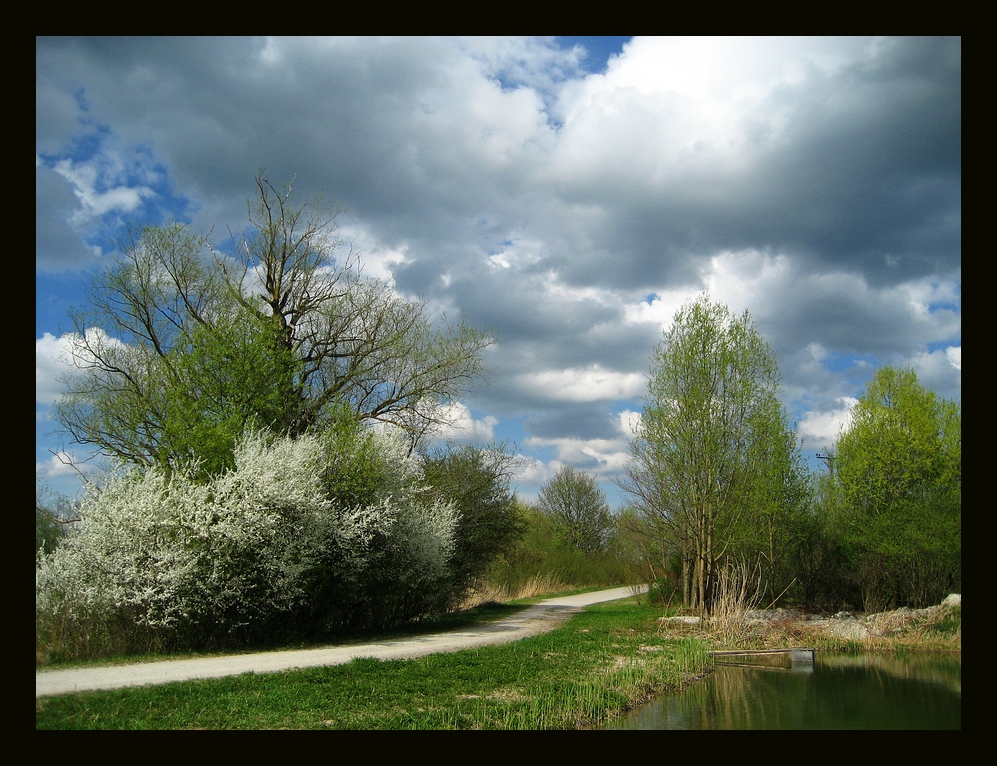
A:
579, 508
898, 470
713, 452
181, 345
475, 481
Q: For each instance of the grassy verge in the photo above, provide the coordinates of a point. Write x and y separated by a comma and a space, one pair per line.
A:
601, 662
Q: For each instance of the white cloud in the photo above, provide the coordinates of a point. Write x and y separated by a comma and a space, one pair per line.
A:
54, 358
465, 428
748, 279
588, 384
50, 367
661, 308
517, 253
60, 464
954, 356
596, 456
940, 371
87, 177
822, 427
670, 105
602, 458
379, 260
629, 422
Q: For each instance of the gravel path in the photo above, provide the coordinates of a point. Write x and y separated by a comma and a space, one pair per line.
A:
537, 619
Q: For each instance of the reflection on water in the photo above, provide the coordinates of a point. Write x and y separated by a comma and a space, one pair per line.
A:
835, 692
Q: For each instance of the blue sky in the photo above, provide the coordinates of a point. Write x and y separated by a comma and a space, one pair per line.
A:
569, 194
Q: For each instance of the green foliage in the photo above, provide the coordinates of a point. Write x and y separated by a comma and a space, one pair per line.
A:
898, 479
475, 480
579, 509
180, 347
222, 379
714, 470
542, 554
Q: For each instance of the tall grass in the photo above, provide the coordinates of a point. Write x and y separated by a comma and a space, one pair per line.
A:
738, 590
531, 587
554, 567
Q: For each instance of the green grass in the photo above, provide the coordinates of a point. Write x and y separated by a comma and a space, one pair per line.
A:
599, 663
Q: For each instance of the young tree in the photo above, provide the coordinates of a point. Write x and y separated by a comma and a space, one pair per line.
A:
898, 470
713, 442
181, 343
475, 480
579, 508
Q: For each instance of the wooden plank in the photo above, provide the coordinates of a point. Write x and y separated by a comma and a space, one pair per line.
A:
797, 654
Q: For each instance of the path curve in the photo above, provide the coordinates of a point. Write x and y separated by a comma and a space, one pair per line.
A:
539, 618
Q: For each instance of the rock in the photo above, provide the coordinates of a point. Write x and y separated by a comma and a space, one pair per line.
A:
953, 599
683, 620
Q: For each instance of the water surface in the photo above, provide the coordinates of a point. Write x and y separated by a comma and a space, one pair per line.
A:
835, 692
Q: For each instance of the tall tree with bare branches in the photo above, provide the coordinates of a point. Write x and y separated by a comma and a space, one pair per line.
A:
182, 345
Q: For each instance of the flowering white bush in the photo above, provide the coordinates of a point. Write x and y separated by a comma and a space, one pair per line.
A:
251, 550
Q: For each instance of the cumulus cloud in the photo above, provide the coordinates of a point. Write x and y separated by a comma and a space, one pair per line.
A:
593, 383
61, 464
820, 428
463, 427
50, 366
96, 202
813, 181
940, 371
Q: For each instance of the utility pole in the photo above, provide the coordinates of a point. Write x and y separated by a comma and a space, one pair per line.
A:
828, 457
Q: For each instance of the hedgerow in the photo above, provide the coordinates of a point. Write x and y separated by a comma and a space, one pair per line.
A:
272, 549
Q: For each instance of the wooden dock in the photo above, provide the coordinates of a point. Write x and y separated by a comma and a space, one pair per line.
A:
796, 654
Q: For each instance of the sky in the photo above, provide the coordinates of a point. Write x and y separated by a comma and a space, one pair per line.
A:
568, 194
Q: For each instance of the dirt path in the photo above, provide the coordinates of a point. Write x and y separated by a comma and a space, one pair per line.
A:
537, 619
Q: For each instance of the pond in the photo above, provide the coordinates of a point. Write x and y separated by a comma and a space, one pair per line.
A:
834, 692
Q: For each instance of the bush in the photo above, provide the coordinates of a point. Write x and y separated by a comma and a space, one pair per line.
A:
475, 481
256, 554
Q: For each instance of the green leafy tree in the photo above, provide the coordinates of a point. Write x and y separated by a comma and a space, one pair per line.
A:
898, 474
713, 453
777, 527
224, 379
475, 480
181, 345
579, 508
